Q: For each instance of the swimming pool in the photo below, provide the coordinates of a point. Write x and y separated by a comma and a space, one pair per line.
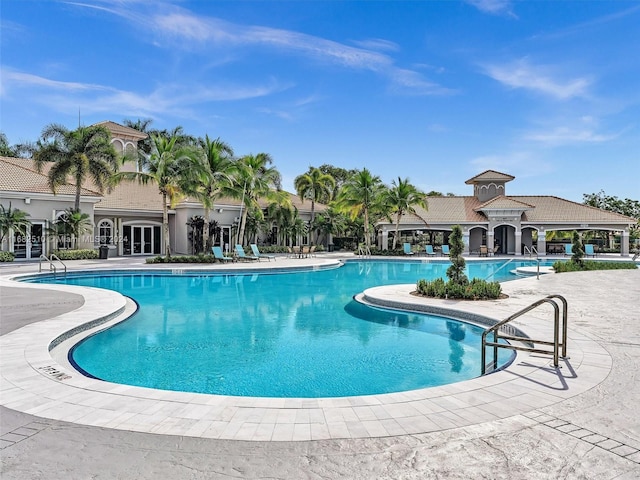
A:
280, 335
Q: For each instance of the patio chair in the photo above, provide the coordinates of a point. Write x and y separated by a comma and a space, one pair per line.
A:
256, 253
407, 249
429, 250
445, 249
217, 253
567, 249
485, 251
589, 250
243, 256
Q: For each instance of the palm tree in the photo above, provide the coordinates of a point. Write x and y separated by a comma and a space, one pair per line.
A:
12, 220
254, 179
217, 170
402, 198
171, 166
314, 185
83, 153
74, 223
360, 196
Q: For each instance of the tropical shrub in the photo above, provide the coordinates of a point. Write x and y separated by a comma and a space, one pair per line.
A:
475, 290
7, 257
81, 254
561, 266
200, 258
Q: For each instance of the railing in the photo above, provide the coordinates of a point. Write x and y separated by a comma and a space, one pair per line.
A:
498, 269
530, 250
52, 266
503, 331
363, 250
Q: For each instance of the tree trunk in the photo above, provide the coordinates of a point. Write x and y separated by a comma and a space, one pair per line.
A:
205, 231
165, 225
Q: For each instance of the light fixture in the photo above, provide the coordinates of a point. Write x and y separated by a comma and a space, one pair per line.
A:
27, 200
220, 210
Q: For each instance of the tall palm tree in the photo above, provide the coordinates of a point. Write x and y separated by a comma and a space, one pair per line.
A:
73, 222
171, 165
217, 170
254, 179
12, 220
360, 196
314, 185
81, 154
403, 198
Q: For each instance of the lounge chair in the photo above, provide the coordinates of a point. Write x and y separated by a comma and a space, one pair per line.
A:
589, 250
428, 249
256, 253
567, 249
445, 249
243, 256
407, 249
217, 253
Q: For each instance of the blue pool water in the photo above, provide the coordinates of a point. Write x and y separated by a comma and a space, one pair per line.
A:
280, 335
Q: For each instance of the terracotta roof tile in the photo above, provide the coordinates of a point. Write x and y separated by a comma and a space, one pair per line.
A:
490, 175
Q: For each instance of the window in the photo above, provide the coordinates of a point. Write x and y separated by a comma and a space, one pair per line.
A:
105, 232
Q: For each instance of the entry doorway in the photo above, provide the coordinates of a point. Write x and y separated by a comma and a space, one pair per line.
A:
141, 240
31, 244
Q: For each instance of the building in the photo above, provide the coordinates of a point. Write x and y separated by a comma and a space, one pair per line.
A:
128, 219
506, 224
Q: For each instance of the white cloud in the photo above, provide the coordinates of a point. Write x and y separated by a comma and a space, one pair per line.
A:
521, 74
518, 164
494, 7
193, 31
568, 136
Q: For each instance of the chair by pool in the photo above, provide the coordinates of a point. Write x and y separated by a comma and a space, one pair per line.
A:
567, 249
445, 249
407, 249
217, 253
256, 253
428, 249
589, 250
243, 256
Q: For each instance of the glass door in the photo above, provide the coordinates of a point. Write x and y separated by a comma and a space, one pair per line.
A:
29, 245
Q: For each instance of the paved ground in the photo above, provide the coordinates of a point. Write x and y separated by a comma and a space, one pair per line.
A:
592, 435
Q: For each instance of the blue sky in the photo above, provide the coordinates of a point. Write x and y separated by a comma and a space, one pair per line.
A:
436, 91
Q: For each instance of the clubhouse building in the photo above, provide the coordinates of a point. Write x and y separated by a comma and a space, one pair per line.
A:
128, 219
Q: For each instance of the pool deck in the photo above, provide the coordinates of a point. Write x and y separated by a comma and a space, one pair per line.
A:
531, 420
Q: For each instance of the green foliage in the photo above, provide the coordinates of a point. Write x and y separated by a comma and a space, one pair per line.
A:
577, 249
561, 266
200, 258
475, 290
455, 272
12, 219
81, 254
6, 257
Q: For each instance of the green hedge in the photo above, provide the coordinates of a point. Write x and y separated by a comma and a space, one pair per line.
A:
200, 258
7, 257
85, 254
476, 289
570, 266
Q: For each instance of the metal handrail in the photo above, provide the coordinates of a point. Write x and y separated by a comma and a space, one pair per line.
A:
531, 250
510, 331
52, 266
499, 268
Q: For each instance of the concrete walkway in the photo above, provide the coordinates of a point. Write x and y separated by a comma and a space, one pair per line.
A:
531, 421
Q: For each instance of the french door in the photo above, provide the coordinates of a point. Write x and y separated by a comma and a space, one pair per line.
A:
29, 245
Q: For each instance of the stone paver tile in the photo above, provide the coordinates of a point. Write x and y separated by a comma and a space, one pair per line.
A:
338, 430
357, 430
393, 427
319, 431
282, 432
13, 437
568, 428
375, 428
246, 431
593, 438
301, 432
26, 431
556, 423
5, 443
609, 444
634, 457
625, 451
583, 432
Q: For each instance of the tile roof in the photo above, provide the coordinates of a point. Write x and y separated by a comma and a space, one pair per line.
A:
490, 175
502, 202
118, 130
19, 175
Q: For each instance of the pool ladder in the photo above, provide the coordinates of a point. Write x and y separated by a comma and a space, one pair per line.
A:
52, 266
503, 331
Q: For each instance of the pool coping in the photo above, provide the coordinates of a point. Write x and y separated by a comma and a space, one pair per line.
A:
34, 382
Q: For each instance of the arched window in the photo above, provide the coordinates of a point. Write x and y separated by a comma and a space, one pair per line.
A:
105, 232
